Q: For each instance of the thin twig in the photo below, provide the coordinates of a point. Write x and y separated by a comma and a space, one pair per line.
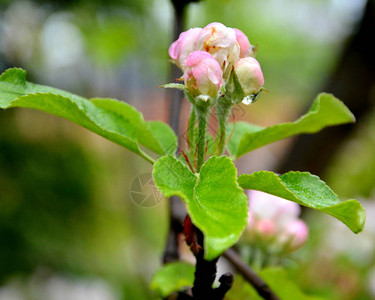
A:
249, 275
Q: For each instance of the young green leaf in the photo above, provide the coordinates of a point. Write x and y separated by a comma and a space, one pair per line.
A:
114, 120
215, 202
172, 177
172, 277
164, 135
307, 190
237, 132
220, 206
325, 111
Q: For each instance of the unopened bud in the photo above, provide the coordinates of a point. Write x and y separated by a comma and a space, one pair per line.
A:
220, 41
296, 234
249, 75
266, 228
246, 49
203, 74
181, 48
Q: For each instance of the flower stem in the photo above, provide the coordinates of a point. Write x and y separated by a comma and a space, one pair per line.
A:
191, 133
202, 114
221, 136
223, 110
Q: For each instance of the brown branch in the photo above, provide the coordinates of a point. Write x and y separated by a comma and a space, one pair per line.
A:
177, 213
249, 275
205, 270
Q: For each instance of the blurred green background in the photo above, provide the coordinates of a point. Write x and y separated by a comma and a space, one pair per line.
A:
68, 226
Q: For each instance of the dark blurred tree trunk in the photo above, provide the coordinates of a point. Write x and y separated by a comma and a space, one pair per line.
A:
3, 64
177, 211
353, 82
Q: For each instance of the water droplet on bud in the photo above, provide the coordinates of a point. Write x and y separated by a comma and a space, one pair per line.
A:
248, 99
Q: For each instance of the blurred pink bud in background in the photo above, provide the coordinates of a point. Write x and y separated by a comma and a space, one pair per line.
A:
273, 216
249, 75
180, 49
203, 74
295, 235
266, 228
266, 206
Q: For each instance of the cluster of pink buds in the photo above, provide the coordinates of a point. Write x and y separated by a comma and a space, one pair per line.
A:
209, 55
276, 222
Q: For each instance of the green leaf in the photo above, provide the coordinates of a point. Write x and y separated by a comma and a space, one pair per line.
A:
220, 206
172, 177
277, 279
325, 111
215, 202
172, 277
237, 133
164, 135
114, 120
307, 190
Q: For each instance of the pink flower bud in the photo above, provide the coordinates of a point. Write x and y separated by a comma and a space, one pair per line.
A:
180, 49
220, 41
266, 206
245, 47
266, 228
250, 219
295, 234
249, 75
203, 74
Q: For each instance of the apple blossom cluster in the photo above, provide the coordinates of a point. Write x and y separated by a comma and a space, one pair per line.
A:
207, 56
275, 222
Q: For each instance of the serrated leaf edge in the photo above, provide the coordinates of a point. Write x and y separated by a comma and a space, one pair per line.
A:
313, 110
321, 208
